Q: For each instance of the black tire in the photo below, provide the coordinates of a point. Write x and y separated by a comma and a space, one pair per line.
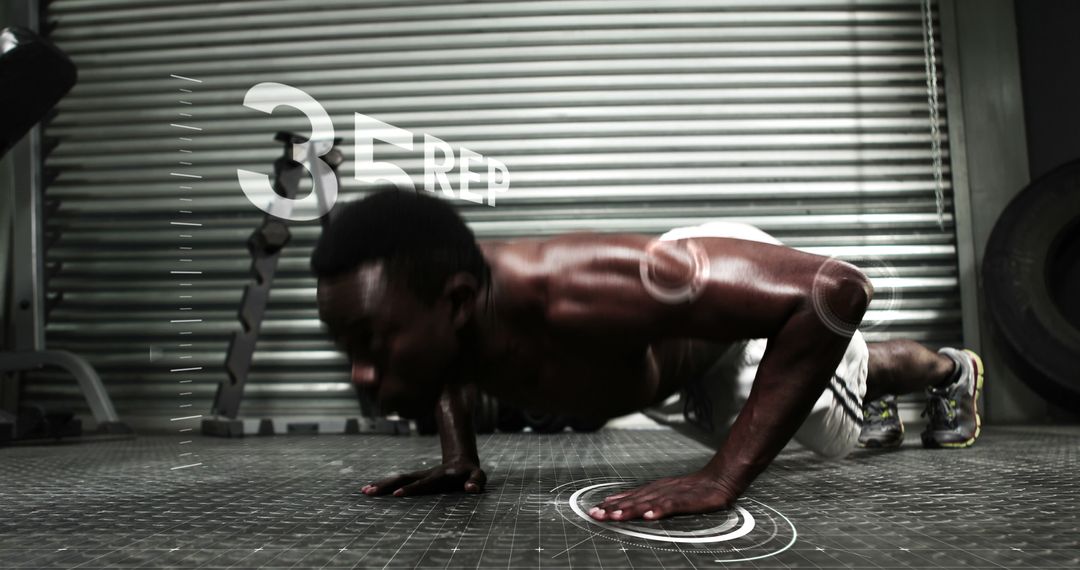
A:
1031, 279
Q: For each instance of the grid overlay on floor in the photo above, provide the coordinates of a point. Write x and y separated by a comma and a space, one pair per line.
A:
294, 501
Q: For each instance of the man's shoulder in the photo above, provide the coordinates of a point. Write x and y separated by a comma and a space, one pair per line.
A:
517, 274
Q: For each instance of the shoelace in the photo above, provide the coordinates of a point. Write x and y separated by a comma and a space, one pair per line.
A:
942, 410
877, 412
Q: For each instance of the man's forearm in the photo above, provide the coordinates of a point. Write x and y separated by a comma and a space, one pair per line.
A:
454, 415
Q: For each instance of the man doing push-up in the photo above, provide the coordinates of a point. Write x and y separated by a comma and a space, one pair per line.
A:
601, 325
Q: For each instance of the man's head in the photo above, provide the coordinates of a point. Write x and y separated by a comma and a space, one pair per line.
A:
398, 276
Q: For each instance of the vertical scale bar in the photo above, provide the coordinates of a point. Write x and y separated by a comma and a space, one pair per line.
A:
182, 221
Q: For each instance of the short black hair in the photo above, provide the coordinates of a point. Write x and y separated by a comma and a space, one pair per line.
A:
421, 239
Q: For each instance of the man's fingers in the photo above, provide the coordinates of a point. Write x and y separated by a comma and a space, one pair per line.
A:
391, 484
387, 485
608, 501
644, 493
650, 509
416, 488
428, 481
476, 481
606, 510
647, 488
663, 498
629, 512
624, 506
659, 509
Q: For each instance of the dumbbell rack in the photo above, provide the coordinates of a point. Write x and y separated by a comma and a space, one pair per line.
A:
265, 245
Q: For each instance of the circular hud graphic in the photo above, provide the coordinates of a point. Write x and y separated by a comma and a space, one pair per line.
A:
750, 531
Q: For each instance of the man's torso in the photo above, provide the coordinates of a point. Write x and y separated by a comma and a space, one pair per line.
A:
595, 370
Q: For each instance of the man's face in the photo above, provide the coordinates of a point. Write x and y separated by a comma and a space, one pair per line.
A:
400, 347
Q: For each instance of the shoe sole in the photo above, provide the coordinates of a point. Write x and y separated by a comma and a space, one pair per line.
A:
878, 444
881, 443
928, 441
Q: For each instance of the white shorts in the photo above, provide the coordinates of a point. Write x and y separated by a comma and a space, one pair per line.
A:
833, 426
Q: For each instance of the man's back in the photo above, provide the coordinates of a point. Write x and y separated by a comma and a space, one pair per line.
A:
568, 339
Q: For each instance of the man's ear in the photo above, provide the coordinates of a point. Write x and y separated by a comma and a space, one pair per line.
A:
461, 291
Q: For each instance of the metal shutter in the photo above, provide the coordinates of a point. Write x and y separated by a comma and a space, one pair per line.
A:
807, 118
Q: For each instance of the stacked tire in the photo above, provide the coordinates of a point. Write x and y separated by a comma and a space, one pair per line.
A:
1031, 280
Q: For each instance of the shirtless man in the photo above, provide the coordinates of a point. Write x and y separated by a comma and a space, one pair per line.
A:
601, 325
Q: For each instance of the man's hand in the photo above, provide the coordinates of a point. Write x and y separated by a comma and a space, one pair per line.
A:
448, 477
698, 492
460, 469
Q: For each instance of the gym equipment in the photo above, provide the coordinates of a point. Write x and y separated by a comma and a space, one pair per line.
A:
265, 245
1031, 275
34, 75
35, 422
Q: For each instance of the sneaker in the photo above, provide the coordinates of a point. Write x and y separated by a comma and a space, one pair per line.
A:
954, 409
881, 424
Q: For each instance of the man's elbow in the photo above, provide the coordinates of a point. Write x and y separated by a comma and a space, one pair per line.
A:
840, 296
852, 291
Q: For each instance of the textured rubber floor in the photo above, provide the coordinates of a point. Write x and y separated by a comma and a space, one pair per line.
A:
1012, 501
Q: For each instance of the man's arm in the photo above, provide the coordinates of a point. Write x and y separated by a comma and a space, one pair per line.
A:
806, 305
460, 469
799, 360
454, 415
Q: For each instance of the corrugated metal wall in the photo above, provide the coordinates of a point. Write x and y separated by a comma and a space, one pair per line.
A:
808, 118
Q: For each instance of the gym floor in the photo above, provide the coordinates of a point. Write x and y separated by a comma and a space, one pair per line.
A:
293, 501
